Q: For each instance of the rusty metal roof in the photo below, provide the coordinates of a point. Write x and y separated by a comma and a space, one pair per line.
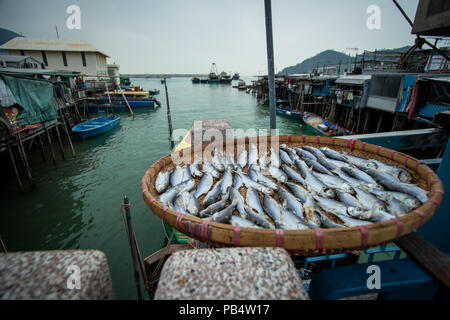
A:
20, 43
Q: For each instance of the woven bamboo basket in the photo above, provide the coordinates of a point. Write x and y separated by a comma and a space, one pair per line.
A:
305, 242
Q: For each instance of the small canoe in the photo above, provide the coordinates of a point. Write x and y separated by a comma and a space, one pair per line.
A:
96, 126
324, 127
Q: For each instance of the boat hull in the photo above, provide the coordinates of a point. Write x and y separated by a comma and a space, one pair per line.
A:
95, 126
289, 112
316, 124
122, 105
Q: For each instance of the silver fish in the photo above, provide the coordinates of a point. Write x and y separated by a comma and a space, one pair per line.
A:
241, 222
314, 184
348, 199
292, 154
252, 173
316, 165
302, 167
293, 174
410, 201
235, 195
186, 173
216, 161
402, 174
367, 200
237, 180
311, 213
333, 154
204, 185
334, 206
207, 167
253, 201
162, 181
357, 161
194, 168
227, 181
193, 205
328, 223
264, 161
289, 221
352, 181
299, 192
213, 195
274, 158
285, 157
290, 202
316, 152
278, 174
242, 158
330, 164
304, 154
334, 182
394, 184
187, 203
266, 181
360, 175
177, 176
249, 183
257, 218
215, 206
253, 154
272, 208
351, 222
396, 207
169, 195
225, 214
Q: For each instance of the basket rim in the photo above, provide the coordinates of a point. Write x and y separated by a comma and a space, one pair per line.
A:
402, 225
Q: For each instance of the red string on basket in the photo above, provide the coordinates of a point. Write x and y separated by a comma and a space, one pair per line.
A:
279, 237
319, 239
364, 236
237, 235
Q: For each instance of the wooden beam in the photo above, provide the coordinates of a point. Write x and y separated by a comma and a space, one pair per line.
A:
427, 255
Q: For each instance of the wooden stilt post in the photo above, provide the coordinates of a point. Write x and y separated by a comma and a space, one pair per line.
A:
60, 142
379, 121
68, 137
41, 143
51, 146
25, 160
11, 156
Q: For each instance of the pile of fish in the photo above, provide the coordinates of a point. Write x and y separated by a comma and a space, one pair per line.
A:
292, 188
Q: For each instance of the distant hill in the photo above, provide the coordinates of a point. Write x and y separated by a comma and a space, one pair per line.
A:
331, 57
327, 57
6, 35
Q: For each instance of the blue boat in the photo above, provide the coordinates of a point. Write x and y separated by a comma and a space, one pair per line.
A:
290, 113
96, 126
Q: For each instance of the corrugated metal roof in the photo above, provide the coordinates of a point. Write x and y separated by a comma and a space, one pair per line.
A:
12, 58
49, 45
39, 71
354, 79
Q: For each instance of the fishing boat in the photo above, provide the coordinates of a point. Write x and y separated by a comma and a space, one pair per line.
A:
120, 100
294, 113
235, 76
203, 80
195, 80
213, 77
96, 126
153, 92
324, 127
224, 78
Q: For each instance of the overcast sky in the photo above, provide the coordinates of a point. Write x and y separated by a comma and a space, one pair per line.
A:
186, 36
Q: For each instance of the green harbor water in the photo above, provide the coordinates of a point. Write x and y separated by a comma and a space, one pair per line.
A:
77, 206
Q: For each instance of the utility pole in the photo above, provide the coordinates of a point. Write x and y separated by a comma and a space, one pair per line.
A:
270, 64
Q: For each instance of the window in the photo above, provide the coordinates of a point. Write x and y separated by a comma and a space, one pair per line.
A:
64, 58
22, 53
385, 86
44, 58
83, 57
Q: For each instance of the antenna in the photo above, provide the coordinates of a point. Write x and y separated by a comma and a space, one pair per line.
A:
57, 35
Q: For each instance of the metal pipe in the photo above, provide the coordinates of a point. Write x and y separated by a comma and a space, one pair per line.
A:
270, 64
126, 204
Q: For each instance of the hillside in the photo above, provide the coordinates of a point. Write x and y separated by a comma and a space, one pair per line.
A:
331, 57
326, 57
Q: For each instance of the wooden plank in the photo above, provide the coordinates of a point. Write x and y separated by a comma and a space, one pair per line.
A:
427, 255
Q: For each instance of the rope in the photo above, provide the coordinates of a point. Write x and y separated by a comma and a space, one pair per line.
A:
3, 245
